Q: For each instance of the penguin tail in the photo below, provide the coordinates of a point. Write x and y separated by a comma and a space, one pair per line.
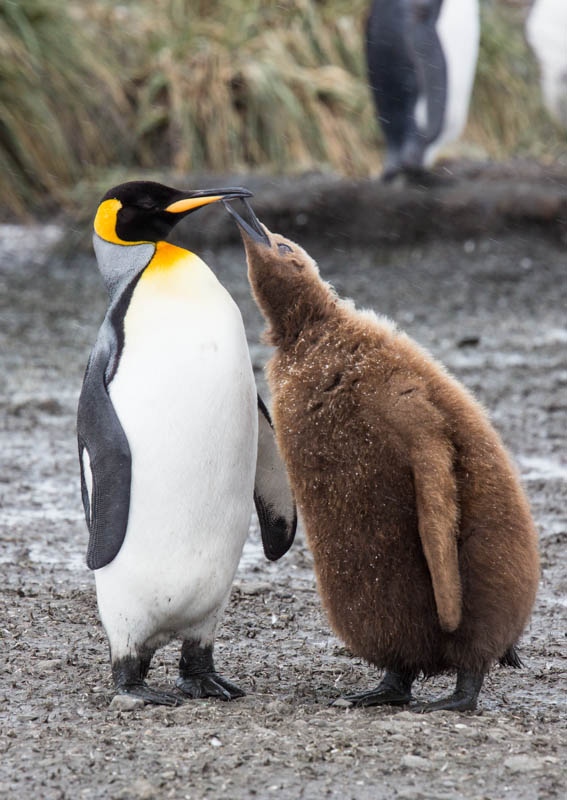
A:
511, 659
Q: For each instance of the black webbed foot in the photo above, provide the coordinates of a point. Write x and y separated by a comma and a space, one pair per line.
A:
209, 685
197, 676
463, 698
393, 690
148, 695
129, 674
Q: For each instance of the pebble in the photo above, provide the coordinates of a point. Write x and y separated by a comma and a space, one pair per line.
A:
47, 665
342, 703
415, 762
125, 702
523, 763
254, 587
142, 789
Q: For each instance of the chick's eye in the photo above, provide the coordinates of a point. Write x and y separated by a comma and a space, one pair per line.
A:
284, 248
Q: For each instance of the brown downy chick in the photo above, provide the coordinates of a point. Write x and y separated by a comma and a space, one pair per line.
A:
424, 547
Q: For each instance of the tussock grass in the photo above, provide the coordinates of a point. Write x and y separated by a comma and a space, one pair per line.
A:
507, 115
99, 88
57, 95
250, 84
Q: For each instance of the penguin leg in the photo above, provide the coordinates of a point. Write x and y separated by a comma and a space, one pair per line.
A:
197, 675
129, 675
393, 690
463, 698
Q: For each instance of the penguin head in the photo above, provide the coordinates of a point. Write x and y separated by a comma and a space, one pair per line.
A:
284, 278
145, 212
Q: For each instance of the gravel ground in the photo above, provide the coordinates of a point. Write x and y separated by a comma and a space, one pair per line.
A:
493, 310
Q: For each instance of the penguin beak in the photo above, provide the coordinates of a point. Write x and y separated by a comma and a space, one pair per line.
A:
253, 230
189, 201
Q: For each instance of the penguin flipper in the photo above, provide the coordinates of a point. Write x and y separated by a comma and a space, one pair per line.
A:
431, 69
437, 511
273, 498
421, 426
105, 460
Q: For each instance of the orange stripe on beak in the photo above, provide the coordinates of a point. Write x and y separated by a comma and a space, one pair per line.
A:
192, 202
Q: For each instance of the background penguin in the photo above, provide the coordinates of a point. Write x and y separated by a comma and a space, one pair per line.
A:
173, 444
546, 30
423, 543
422, 58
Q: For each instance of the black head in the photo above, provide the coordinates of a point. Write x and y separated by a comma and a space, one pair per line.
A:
145, 211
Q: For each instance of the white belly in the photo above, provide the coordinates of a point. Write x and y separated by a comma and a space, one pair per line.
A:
185, 395
458, 28
547, 34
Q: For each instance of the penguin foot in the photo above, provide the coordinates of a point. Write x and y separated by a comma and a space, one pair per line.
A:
208, 685
463, 698
393, 690
150, 696
197, 676
453, 702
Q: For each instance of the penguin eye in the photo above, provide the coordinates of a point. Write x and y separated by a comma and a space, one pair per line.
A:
284, 248
146, 204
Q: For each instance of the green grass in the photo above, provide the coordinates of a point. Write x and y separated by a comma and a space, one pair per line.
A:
93, 91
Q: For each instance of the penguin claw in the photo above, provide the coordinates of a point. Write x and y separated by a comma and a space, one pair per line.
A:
376, 697
209, 685
151, 696
451, 703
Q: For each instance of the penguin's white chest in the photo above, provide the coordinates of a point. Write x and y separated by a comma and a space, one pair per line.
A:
185, 395
458, 28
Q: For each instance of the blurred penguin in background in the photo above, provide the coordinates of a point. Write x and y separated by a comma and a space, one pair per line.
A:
422, 58
546, 31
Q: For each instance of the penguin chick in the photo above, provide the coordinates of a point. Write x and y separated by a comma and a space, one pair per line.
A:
423, 543
173, 445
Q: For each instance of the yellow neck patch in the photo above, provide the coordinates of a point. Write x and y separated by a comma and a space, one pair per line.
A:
105, 222
167, 256
178, 273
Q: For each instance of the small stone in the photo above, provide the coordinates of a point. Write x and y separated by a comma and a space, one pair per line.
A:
254, 587
126, 702
48, 665
415, 762
340, 702
523, 763
144, 790
214, 742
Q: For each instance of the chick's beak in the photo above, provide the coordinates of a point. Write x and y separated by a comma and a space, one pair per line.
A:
191, 200
254, 229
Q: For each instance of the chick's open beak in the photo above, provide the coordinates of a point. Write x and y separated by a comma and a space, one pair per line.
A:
193, 200
254, 229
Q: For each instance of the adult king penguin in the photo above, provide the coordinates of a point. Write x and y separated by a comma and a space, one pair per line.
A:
422, 58
173, 445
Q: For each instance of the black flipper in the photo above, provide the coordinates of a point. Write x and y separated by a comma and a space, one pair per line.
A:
431, 71
104, 452
272, 493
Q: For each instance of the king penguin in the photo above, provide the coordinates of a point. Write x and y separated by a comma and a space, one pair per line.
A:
174, 444
422, 58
